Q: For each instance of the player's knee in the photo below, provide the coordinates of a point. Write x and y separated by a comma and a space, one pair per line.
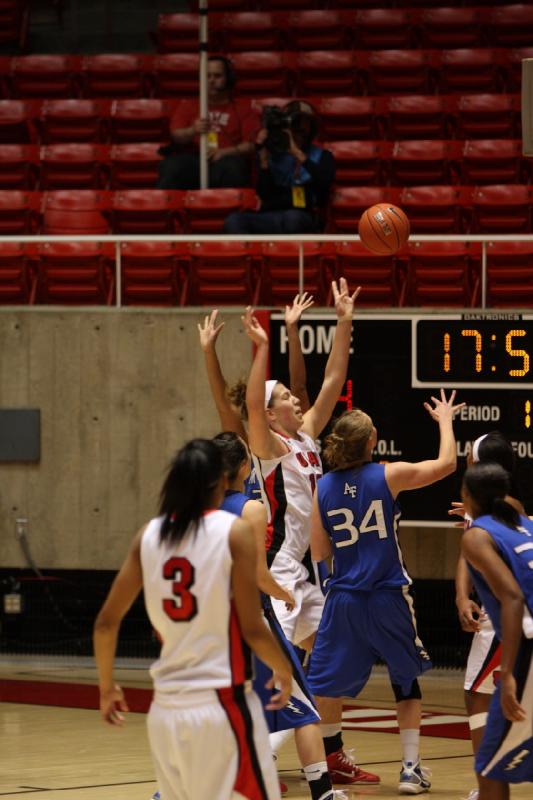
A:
414, 692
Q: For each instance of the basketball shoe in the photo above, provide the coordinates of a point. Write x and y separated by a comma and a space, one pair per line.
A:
343, 769
414, 779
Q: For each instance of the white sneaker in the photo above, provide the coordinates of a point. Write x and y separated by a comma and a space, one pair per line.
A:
473, 794
414, 779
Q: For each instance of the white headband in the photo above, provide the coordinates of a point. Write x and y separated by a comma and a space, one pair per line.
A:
475, 448
269, 388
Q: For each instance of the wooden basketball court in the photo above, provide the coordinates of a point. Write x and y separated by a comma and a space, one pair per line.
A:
68, 753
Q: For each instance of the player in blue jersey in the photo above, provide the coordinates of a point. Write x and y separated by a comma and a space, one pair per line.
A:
369, 612
300, 713
499, 550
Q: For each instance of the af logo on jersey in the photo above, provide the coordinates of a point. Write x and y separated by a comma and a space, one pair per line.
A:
351, 490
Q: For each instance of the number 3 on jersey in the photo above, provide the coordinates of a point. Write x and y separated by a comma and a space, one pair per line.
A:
181, 572
372, 522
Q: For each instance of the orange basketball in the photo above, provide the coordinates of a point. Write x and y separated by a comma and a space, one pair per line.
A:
384, 229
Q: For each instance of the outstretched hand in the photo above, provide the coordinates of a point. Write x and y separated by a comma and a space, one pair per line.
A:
209, 331
252, 328
343, 300
300, 304
443, 409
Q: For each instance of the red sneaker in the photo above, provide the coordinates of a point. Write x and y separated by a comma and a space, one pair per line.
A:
283, 788
343, 769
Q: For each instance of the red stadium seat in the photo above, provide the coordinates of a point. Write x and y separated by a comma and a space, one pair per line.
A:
501, 208
73, 121
384, 28
140, 120
509, 274
470, 70
75, 211
402, 71
316, 30
440, 274
115, 75
19, 166
280, 272
360, 162
134, 165
82, 165
14, 22
452, 27
380, 276
16, 121
17, 279
322, 72
493, 161
351, 117
424, 162
348, 203
176, 74
250, 30
513, 66
436, 209
75, 273
19, 212
206, 209
179, 33
154, 211
481, 115
221, 273
45, 76
510, 25
263, 72
417, 116
151, 274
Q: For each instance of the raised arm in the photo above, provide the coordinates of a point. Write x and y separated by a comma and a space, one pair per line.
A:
402, 475
246, 596
230, 419
125, 588
316, 418
262, 441
479, 550
297, 371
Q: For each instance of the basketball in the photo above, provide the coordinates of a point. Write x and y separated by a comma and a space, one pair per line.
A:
384, 229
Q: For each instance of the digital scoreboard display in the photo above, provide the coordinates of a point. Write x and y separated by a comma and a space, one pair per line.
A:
399, 361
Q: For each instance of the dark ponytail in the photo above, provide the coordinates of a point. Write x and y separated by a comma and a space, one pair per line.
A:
488, 484
188, 489
233, 451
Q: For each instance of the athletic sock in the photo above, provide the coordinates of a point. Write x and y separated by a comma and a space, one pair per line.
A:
410, 739
278, 739
317, 777
332, 737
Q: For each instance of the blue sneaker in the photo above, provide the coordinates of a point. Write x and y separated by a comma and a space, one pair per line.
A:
414, 779
156, 796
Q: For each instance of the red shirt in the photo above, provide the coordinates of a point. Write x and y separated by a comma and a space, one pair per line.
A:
233, 122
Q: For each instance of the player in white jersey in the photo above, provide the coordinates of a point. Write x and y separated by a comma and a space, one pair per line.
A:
283, 438
197, 566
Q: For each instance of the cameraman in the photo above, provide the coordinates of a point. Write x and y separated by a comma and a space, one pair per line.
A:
230, 130
294, 175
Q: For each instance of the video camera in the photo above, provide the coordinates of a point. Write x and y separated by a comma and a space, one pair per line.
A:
278, 122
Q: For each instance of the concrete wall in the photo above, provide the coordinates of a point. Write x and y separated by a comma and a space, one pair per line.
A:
119, 392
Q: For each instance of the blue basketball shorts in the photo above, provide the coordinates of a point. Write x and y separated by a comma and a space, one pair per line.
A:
506, 750
357, 630
300, 710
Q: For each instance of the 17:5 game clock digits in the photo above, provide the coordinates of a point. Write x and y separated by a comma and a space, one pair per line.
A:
457, 352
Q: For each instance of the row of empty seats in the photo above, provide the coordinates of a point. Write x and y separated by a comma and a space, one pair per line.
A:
266, 5
490, 209
415, 116
313, 72
155, 273
331, 29
406, 162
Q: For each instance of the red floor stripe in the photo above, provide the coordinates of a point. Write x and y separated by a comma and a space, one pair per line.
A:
68, 695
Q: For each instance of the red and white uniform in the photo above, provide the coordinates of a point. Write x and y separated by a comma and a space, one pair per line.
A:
206, 727
289, 482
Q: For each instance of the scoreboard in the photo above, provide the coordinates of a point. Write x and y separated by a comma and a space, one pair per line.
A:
398, 361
